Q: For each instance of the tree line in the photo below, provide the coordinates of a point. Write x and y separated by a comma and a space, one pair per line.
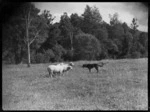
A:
30, 37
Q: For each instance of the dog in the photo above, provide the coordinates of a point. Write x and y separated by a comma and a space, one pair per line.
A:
94, 65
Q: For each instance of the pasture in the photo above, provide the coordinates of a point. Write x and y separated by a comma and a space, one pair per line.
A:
119, 85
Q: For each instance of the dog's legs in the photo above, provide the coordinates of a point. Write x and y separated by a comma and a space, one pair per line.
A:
89, 70
96, 69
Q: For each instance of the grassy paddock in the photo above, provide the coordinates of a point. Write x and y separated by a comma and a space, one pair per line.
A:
119, 85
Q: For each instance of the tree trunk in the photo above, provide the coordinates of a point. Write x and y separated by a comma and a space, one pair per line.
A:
71, 39
28, 42
21, 56
28, 54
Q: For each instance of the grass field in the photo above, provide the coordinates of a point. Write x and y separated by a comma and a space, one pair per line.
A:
119, 85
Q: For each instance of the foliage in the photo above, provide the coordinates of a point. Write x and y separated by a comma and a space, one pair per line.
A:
134, 24
76, 20
114, 19
43, 57
86, 47
85, 37
143, 39
13, 44
135, 54
66, 31
101, 34
39, 58
59, 52
91, 19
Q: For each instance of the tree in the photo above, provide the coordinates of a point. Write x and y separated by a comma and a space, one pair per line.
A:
91, 19
48, 17
59, 52
114, 19
126, 45
116, 29
136, 46
76, 20
44, 20
143, 39
33, 36
67, 32
33, 24
24, 27
125, 27
134, 24
13, 44
116, 33
101, 34
86, 47
112, 48
27, 11
53, 38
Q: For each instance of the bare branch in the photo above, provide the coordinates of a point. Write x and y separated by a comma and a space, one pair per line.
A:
34, 37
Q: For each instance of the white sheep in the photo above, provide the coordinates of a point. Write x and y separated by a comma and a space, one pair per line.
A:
59, 68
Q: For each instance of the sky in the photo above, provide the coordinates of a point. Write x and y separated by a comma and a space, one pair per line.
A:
126, 10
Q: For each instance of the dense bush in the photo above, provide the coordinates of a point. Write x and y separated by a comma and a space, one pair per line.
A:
8, 57
49, 55
59, 52
135, 55
39, 58
86, 47
69, 55
44, 57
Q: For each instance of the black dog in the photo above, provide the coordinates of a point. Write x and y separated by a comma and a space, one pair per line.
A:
94, 65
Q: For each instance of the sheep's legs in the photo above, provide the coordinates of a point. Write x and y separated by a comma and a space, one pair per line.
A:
61, 73
51, 74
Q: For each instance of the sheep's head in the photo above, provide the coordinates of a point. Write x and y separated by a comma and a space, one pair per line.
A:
69, 67
71, 64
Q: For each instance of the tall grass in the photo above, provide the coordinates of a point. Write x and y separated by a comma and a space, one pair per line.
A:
119, 85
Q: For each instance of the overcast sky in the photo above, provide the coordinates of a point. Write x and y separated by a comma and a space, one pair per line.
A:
126, 10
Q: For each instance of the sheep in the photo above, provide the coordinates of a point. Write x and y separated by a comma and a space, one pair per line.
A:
54, 69
59, 68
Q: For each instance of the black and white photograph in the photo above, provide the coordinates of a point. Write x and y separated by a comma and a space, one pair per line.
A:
74, 56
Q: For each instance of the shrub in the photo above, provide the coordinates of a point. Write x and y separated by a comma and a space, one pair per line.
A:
32, 57
59, 52
8, 57
44, 57
69, 55
39, 58
86, 47
49, 56
135, 54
